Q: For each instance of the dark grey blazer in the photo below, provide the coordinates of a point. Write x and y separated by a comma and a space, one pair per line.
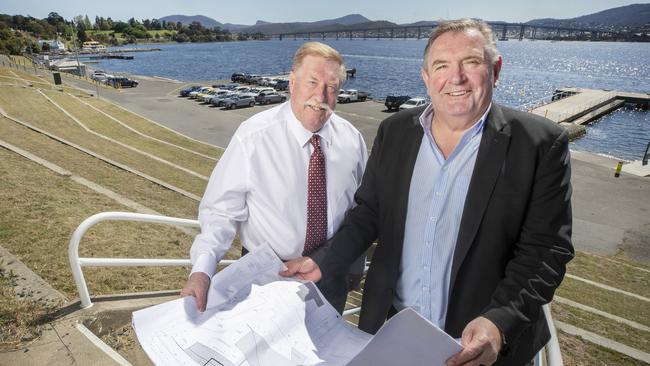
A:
515, 232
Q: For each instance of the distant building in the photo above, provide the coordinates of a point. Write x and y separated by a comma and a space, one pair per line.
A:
69, 66
93, 46
54, 44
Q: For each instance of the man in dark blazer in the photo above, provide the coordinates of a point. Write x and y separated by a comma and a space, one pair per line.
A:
499, 206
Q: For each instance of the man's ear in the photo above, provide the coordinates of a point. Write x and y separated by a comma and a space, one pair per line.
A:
496, 70
292, 80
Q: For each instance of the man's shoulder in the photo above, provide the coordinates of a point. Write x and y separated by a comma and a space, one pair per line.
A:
529, 124
260, 122
341, 124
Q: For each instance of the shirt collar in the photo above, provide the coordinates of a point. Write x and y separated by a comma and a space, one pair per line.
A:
427, 116
303, 135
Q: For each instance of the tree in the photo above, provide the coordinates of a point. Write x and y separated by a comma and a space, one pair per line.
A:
81, 33
55, 19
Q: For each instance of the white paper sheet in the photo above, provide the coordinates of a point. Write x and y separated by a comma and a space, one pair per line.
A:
408, 339
256, 317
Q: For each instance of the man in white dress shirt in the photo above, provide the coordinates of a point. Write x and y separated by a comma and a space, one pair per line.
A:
280, 170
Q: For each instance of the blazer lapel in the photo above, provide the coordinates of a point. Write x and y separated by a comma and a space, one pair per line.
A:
490, 158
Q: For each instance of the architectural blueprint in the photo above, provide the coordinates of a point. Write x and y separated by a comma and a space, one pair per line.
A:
254, 317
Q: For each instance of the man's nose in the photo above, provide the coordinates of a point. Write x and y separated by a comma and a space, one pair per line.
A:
457, 74
321, 92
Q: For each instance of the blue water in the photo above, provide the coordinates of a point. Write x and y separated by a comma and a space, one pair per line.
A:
531, 71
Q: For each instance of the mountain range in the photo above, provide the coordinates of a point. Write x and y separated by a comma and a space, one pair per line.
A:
635, 16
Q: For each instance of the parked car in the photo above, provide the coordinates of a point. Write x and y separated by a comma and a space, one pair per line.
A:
237, 101
269, 97
203, 93
186, 91
352, 95
121, 82
231, 86
412, 103
281, 84
394, 101
100, 76
207, 97
242, 90
218, 100
254, 92
238, 77
203, 89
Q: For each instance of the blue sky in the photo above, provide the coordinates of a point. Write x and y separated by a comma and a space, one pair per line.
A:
249, 11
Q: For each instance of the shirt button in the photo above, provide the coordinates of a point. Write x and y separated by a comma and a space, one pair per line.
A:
425, 288
432, 218
438, 193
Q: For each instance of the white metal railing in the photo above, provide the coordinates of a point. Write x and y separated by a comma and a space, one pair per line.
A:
552, 348
76, 262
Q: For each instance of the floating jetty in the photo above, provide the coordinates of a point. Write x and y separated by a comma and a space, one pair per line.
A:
575, 107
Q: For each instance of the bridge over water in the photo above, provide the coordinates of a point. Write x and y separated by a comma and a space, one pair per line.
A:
503, 30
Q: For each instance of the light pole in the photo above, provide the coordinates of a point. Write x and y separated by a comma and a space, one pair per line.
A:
76, 49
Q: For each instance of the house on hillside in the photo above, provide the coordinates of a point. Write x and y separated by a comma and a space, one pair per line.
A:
54, 44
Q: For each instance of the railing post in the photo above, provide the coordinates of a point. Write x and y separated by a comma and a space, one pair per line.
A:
646, 155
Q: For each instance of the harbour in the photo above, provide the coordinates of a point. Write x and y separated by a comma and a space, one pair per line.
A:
531, 73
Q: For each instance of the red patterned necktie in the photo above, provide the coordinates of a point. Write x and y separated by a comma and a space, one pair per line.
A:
316, 199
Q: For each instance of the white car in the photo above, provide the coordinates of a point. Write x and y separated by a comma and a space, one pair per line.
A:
412, 103
100, 76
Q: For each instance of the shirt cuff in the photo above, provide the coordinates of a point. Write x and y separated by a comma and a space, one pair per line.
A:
205, 263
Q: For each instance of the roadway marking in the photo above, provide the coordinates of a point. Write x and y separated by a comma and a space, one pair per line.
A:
357, 115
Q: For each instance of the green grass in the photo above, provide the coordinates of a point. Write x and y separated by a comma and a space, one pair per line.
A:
578, 352
106, 126
21, 320
617, 304
605, 271
29, 106
600, 325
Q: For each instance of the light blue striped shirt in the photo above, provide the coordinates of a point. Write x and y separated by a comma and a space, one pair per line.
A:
435, 207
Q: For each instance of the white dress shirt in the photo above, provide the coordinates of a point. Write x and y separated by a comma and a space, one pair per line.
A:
259, 186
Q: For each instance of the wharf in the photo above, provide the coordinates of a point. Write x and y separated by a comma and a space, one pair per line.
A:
581, 106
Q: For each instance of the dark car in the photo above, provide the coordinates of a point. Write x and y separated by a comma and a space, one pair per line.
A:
394, 101
186, 91
270, 97
121, 82
239, 77
281, 84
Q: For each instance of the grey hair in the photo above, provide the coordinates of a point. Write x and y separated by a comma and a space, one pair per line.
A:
464, 25
321, 50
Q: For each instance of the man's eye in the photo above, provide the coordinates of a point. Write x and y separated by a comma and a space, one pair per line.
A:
439, 67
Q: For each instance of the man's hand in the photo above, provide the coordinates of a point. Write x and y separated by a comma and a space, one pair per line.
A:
197, 286
304, 268
481, 341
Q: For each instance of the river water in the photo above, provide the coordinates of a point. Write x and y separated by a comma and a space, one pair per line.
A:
531, 71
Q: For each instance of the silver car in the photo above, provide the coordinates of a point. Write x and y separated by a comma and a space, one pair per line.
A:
237, 101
